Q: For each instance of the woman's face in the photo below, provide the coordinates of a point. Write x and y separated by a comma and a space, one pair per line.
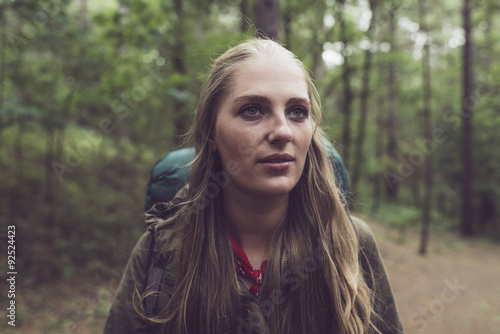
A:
263, 128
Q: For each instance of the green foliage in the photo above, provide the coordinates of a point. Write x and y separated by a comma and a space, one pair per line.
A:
52, 325
400, 218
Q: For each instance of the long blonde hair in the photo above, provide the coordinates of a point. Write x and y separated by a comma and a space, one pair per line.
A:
313, 281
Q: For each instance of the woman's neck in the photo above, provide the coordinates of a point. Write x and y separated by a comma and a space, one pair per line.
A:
253, 222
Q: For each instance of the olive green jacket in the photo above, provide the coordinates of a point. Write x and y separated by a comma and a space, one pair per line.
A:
123, 319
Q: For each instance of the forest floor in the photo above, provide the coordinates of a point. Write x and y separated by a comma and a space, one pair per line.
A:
454, 289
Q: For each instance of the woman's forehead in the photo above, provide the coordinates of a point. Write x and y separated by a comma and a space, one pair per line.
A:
268, 74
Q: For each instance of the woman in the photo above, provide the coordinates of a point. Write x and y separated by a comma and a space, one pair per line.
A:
260, 242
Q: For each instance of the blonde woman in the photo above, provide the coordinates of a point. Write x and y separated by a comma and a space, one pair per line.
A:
259, 242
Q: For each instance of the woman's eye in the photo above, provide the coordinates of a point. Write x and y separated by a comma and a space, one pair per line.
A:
299, 112
250, 111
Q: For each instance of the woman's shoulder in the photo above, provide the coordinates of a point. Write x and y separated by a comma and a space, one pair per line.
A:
369, 254
163, 217
376, 278
149, 267
363, 232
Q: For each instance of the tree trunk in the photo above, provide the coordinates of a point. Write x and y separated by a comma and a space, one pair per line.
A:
365, 95
488, 35
392, 145
3, 40
266, 18
178, 51
346, 81
245, 20
182, 120
55, 195
287, 25
379, 142
415, 188
48, 192
426, 83
467, 226
316, 66
52, 220
84, 22
2, 59
488, 210
15, 198
441, 203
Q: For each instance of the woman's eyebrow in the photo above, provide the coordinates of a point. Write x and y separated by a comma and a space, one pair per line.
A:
263, 99
252, 98
298, 100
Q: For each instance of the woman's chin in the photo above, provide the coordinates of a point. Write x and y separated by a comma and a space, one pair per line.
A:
274, 190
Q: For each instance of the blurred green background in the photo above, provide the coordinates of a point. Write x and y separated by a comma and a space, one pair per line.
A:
93, 93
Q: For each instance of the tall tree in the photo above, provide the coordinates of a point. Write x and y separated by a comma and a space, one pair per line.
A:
3, 26
379, 139
288, 13
365, 95
426, 86
467, 227
245, 21
392, 144
18, 153
346, 82
490, 10
266, 18
486, 191
182, 119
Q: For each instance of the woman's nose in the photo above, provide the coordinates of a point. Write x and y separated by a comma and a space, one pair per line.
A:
280, 130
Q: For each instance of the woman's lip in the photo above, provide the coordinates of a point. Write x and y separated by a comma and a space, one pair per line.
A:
277, 158
277, 166
278, 162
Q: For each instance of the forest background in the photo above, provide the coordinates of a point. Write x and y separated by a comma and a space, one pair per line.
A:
93, 93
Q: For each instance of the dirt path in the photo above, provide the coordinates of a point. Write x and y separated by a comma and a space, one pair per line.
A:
454, 289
